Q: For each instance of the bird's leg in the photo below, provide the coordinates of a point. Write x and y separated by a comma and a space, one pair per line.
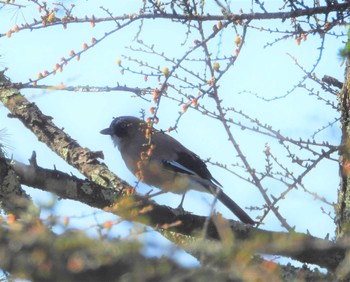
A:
149, 195
180, 208
182, 201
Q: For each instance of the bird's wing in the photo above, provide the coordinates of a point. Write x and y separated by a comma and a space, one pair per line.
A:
177, 167
188, 162
178, 158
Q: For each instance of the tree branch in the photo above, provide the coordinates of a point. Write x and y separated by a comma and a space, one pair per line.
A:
304, 248
13, 199
337, 7
343, 205
72, 256
57, 140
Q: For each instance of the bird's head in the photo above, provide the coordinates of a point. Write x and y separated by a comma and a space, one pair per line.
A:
124, 128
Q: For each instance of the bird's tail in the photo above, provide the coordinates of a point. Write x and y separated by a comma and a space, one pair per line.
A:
232, 206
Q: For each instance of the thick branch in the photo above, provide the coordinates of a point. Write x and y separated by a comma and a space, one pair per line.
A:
57, 140
343, 207
64, 185
13, 199
299, 246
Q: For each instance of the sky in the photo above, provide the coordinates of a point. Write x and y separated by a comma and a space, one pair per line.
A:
264, 71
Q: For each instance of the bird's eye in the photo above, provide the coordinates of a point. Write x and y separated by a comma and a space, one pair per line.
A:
121, 129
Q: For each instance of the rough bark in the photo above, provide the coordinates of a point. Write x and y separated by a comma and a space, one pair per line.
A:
343, 206
13, 199
57, 140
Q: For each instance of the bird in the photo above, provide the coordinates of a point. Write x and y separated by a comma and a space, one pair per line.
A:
159, 160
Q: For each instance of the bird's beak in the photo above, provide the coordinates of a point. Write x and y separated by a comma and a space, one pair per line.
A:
106, 131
